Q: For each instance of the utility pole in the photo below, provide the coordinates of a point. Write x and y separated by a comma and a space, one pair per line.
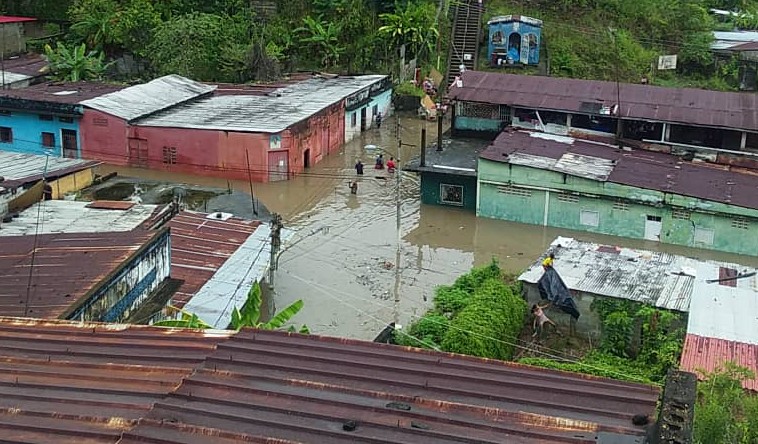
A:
276, 242
398, 256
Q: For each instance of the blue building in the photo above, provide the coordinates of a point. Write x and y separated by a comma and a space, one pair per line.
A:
44, 118
514, 39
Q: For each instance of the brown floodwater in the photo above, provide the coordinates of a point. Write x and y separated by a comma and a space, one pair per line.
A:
341, 261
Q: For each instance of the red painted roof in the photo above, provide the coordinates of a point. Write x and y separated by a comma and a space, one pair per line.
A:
200, 246
12, 19
646, 102
708, 354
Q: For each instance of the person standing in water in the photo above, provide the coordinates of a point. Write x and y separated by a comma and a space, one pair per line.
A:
359, 168
391, 165
379, 162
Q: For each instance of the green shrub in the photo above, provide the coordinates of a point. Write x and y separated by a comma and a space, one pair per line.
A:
430, 329
724, 412
451, 300
597, 364
489, 326
470, 281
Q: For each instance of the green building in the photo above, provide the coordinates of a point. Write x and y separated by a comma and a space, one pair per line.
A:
543, 179
448, 177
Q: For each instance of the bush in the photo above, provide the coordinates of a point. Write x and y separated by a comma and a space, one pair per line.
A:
597, 364
429, 330
451, 299
489, 326
724, 412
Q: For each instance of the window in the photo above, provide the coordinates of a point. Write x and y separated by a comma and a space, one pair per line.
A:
66, 119
593, 123
514, 191
589, 218
751, 142
100, 121
451, 194
710, 137
47, 117
553, 117
703, 236
620, 205
375, 110
169, 155
48, 140
568, 198
6, 135
741, 223
641, 130
481, 110
680, 214
353, 120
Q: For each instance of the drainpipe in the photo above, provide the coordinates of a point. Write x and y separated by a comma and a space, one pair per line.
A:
423, 147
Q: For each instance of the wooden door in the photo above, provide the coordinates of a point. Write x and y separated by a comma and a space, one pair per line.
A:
278, 167
137, 152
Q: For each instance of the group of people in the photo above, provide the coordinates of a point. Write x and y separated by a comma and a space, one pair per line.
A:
378, 165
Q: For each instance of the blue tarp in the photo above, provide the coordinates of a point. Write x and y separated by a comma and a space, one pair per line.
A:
553, 289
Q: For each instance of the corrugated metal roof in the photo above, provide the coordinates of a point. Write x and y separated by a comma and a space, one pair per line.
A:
61, 92
643, 169
17, 168
200, 246
66, 268
262, 114
638, 275
61, 216
307, 387
725, 311
709, 354
645, 102
229, 285
66, 382
29, 64
63, 382
141, 100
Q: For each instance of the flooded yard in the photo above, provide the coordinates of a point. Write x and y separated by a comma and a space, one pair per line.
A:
341, 260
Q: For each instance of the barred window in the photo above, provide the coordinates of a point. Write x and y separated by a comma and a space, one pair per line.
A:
451, 194
481, 110
169, 155
568, 198
680, 214
741, 223
513, 191
100, 121
621, 205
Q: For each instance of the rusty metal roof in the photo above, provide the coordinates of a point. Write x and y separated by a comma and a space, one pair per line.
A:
69, 382
644, 102
643, 169
63, 382
19, 168
69, 93
708, 354
200, 246
307, 387
66, 268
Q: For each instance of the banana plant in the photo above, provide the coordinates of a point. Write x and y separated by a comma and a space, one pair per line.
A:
248, 316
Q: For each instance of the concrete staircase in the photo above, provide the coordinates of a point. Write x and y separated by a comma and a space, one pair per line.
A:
464, 43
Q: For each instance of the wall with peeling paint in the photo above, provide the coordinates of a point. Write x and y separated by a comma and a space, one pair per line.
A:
542, 197
124, 290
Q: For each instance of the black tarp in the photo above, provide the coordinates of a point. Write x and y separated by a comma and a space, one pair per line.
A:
553, 289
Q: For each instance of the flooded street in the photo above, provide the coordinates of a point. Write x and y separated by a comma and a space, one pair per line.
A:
341, 259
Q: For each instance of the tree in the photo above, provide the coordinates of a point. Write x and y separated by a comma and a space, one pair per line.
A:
322, 38
193, 46
74, 64
94, 22
413, 26
247, 316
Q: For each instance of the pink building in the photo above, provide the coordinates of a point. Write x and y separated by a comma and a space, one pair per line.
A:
176, 124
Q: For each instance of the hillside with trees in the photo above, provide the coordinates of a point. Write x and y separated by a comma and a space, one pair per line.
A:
226, 40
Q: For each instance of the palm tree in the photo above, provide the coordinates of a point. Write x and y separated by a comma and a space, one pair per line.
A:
323, 38
412, 26
74, 64
248, 316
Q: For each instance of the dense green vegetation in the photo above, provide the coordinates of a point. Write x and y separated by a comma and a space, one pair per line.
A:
610, 39
725, 413
638, 343
224, 40
481, 314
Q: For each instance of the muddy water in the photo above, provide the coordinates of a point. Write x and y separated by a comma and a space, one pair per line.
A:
341, 261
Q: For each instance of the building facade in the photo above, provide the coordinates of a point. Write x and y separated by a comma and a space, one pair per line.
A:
514, 39
595, 188
362, 108
717, 127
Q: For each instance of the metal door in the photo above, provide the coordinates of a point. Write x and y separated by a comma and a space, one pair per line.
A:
70, 144
138, 152
277, 165
653, 228
363, 119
